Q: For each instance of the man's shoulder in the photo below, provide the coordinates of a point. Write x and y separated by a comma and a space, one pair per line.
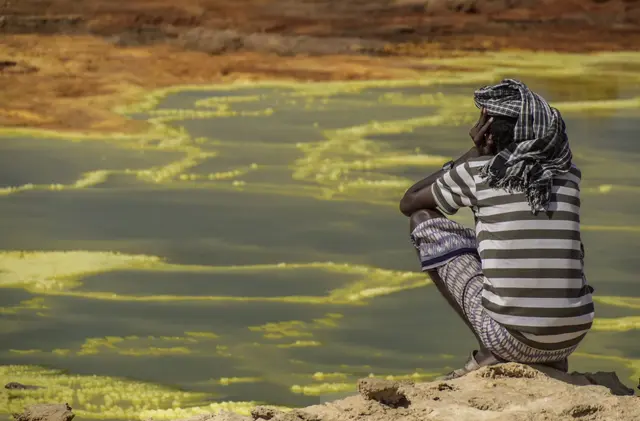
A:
575, 170
574, 174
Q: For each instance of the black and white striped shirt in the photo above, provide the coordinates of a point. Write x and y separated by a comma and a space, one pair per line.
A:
533, 264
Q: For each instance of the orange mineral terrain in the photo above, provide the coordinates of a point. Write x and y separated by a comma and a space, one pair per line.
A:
64, 64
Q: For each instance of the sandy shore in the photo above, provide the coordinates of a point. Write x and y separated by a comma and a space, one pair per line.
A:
80, 79
66, 67
507, 392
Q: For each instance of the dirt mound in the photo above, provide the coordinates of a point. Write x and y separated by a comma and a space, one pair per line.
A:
46, 412
508, 392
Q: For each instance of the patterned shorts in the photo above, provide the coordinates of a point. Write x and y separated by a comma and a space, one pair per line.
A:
450, 249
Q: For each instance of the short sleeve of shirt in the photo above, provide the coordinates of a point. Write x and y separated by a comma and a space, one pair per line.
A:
455, 189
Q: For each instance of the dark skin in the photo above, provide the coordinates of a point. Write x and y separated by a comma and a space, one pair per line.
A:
419, 205
419, 196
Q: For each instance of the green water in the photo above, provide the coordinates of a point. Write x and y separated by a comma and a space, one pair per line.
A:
263, 246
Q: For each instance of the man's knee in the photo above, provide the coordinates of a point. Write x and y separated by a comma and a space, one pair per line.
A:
423, 215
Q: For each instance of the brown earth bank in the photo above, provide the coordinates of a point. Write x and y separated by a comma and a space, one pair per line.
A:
507, 392
65, 63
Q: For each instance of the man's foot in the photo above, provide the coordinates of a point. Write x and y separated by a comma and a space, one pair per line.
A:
476, 360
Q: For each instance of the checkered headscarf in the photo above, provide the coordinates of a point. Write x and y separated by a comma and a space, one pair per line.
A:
541, 148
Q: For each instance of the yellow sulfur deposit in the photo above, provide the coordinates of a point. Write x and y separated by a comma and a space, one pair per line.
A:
61, 273
97, 397
354, 143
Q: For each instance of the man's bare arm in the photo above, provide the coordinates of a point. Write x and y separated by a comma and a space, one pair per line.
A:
419, 195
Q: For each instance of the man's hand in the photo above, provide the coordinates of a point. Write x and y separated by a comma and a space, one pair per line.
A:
478, 134
419, 196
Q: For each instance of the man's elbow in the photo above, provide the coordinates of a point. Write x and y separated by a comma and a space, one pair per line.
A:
413, 203
406, 206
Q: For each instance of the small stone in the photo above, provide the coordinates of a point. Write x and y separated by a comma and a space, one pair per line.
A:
20, 386
46, 412
583, 410
265, 413
384, 391
445, 386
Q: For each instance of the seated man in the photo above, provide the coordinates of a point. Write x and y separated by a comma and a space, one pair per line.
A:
517, 281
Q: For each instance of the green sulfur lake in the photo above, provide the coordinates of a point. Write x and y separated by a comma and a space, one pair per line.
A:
249, 248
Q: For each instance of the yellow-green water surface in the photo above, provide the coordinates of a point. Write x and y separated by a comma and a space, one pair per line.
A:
249, 248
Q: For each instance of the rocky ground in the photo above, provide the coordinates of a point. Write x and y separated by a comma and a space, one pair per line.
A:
508, 392
294, 26
65, 63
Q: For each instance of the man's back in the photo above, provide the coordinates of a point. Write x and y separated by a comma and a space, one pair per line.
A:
533, 263
517, 280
